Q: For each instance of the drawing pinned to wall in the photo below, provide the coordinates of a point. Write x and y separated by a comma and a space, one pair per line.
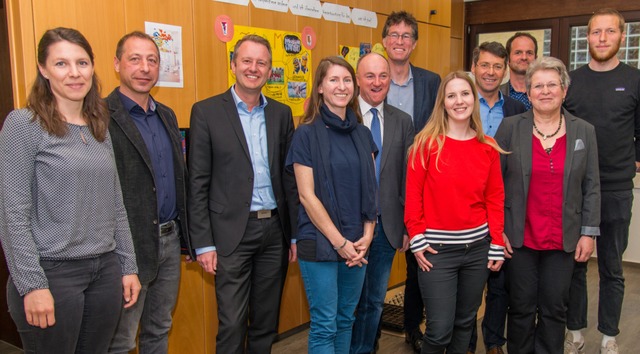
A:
309, 37
350, 54
223, 28
290, 74
169, 41
365, 48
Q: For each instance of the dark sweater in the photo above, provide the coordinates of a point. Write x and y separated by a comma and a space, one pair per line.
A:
611, 102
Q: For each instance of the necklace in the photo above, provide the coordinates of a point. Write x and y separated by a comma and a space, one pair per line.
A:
544, 137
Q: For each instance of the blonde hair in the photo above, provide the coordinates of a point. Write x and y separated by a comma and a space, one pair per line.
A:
438, 125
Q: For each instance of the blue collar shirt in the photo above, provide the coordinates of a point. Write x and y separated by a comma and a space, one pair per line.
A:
156, 139
491, 116
401, 95
255, 132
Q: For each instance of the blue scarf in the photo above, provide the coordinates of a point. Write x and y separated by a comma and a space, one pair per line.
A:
323, 179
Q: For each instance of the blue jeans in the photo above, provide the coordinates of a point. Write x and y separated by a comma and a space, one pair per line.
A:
88, 297
369, 311
155, 304
452, 294
333, 291
614, 236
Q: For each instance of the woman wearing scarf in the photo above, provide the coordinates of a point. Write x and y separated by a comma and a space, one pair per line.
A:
332, 158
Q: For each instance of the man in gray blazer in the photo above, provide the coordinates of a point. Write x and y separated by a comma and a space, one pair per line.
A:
148, 154
241, 199
393, 133
413, 90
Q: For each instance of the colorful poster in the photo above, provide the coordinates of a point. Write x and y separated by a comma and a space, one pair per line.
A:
290, 80
350, 54
353, 54
169, 41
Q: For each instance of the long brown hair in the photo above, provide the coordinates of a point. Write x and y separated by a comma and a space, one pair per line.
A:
438, 125
315, 101
42, 101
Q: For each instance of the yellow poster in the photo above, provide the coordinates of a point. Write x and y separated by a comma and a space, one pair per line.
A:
290, 80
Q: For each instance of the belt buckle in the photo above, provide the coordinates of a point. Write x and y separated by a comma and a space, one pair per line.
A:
167, 227
264, 214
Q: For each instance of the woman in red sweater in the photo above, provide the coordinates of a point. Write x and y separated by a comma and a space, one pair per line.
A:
454, 213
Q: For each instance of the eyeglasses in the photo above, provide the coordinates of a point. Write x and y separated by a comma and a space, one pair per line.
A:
404, 36
552, 86
487, 66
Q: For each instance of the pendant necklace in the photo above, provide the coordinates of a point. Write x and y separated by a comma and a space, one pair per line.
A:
544, 137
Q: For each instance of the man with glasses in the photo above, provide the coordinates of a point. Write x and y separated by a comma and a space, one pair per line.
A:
523, 50
489, 67
412, 90
606, 93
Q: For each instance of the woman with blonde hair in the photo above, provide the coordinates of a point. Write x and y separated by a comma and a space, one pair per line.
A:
454, 213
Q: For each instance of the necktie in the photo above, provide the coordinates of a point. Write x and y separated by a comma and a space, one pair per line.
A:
377, 138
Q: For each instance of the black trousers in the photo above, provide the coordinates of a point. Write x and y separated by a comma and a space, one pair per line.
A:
249, 285
413, 307
539, 283
452, 293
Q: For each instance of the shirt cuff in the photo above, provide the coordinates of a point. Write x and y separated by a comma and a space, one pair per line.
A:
496, 253
418, 243
294, 241
202, 250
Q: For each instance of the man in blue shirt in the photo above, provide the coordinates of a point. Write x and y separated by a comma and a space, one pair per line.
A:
489, 67
413, 90
148, 154
243, 204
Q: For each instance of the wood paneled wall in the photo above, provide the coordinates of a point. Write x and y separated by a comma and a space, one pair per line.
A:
103, 22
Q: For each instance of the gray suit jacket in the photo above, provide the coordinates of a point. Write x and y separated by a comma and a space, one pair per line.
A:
138, 182
398, 136
221, 172
581, 182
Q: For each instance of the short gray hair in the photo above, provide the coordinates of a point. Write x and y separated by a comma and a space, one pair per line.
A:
548, 63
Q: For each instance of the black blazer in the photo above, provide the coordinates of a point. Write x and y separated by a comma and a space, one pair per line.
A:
425, 90
138, 182
511, 107
581, 182
221, 172
398, 136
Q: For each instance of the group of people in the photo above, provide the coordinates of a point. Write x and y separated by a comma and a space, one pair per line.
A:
481, 185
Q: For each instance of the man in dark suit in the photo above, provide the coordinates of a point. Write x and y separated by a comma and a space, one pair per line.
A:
413, 90
393, 132
489, 65
241, 200
148, 154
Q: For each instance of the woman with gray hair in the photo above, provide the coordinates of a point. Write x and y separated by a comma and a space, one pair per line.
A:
552, 208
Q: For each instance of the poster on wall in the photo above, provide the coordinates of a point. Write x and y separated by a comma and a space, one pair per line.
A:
353, 54
290, 79
169, 41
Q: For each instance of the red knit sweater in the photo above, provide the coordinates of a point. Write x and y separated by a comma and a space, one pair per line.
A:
464, 192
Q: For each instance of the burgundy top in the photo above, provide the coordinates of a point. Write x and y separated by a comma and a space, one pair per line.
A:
543, 222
